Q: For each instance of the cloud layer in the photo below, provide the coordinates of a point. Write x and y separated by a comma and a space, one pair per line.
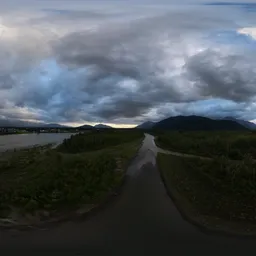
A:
126, 63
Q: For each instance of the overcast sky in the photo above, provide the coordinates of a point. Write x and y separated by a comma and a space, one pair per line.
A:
124, 62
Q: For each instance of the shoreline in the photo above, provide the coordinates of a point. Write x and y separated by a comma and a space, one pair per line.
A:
18, 146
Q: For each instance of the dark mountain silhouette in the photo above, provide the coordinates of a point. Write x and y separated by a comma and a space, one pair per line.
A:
86, 126
246, 124
102, 126
146, 125
197, 123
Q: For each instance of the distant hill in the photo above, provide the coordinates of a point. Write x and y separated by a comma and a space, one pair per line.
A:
246, 124
102, 126
97, 126
86, 126
197, 123
146, 125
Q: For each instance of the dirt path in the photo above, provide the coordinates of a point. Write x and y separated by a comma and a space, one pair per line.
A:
160, 150
141, 221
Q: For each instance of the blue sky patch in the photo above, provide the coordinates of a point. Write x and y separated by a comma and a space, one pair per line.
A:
249, 7
231, 37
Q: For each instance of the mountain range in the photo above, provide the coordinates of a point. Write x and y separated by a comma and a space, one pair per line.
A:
21, 124
197, 123
246, 124
97, 126
102, 126
146, 125
194, 123
171, 123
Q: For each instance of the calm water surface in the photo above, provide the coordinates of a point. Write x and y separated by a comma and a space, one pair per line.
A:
8, 142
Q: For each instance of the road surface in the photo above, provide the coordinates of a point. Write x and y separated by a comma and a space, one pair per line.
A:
142, 220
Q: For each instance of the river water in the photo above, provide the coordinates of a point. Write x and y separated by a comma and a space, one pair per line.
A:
9, 142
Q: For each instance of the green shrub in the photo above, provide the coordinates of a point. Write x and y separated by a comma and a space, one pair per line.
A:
221, 188
97, 140
43, 178
234, 145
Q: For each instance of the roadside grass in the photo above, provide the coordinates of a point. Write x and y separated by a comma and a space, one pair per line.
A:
41, 179
218, 188
233, 145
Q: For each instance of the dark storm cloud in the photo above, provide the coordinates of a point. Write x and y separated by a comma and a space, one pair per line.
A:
131, 53
127, 109
6, 81
2, 105
213, 108
229, 77
127, 70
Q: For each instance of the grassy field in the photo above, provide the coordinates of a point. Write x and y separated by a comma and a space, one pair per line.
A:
47, 180
219, 188
233, 145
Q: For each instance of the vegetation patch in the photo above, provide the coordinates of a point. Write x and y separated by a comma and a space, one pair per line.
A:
98, 139
233, 144
44, 180
218, 188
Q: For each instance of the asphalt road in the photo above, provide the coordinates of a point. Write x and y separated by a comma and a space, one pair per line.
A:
142, 220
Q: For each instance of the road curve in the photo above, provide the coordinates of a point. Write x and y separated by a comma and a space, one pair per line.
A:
141, 221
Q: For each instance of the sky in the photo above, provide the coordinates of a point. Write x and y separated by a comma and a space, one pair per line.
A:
124, 62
